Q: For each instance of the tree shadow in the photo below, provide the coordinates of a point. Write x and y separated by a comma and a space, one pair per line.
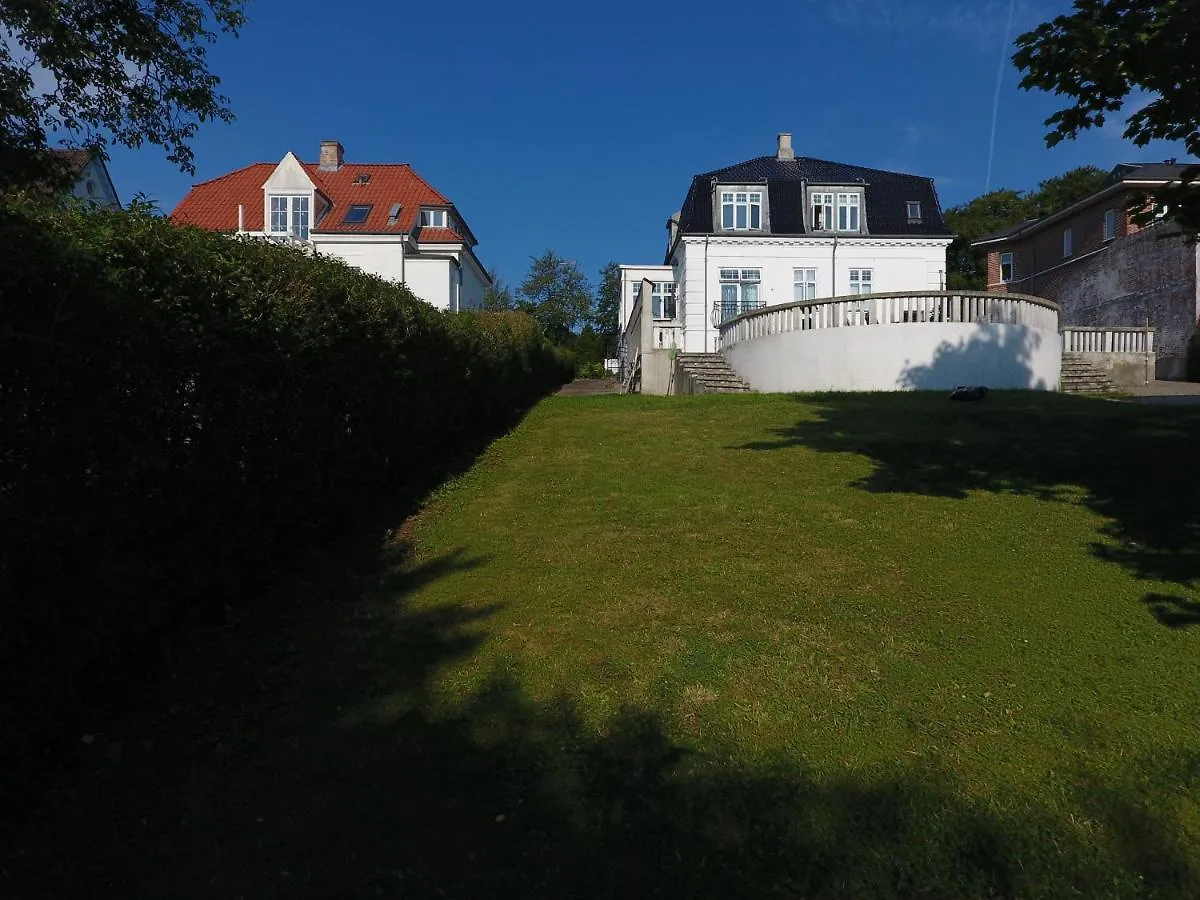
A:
1174, 612
1131, 464
308, 757
996, 356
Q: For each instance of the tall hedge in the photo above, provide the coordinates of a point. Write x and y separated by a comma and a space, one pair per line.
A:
176, 406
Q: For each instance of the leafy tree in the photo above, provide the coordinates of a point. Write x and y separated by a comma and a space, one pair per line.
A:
606, 315
1057, 193
497, 296
90, 70
1104, 50
556, 293
966, 267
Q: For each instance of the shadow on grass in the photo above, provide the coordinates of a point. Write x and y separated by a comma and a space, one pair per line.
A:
1134, 465
304, 754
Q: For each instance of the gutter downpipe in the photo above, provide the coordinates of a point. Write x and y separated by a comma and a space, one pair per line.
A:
833, 285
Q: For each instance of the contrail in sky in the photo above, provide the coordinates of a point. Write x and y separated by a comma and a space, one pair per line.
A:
1012, 10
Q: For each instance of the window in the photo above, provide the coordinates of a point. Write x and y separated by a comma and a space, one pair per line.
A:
741, 210
1110, 224
1068, 242
433, 218
848, 212
362, 178
662, 300
290, 217
357, 214
739, 291
822, 212
804, 284
860, 281
1006, 267
914, 211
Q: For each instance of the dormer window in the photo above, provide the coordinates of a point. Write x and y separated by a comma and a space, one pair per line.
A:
433, 218
836, 211
289, 215
741, 210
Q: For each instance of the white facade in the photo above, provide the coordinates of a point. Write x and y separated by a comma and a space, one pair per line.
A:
94, 185
786, 267
444, 274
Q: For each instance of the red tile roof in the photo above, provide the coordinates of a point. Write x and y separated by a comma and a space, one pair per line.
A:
76, 159
439, 236
214, 204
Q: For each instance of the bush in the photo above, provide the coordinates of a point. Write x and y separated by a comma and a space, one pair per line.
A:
177, 406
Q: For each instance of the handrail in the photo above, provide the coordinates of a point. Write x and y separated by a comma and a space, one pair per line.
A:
893, 308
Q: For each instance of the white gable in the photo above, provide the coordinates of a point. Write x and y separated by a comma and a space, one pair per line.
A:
288, 176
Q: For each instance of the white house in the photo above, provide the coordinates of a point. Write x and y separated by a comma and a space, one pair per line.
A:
92, 181
383, 218
778, 229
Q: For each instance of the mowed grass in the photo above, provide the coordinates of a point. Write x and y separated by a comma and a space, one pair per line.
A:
816, 646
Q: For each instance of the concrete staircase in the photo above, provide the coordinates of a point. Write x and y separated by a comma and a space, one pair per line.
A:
708, 373
1082, 377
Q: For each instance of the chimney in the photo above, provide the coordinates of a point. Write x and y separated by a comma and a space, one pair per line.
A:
331, 156
785, 150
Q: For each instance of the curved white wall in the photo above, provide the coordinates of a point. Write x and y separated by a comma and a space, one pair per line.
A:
904, 356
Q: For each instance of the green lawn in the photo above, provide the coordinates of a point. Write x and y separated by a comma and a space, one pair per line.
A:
757, 646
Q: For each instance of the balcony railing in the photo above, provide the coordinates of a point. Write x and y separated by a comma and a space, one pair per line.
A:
905, 308
724, 310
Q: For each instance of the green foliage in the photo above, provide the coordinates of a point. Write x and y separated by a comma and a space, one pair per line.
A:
497, 296
1000, 209
137, 72
557, 295
176, 407
1102, 52
606, 314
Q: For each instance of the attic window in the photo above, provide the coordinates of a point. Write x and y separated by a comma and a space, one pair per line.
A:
393, 214
357, 214
914, 211
433, 218
362, 178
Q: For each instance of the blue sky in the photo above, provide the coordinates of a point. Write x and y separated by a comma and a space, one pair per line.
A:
578, 127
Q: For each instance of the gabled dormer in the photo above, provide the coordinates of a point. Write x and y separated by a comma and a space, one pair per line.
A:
291, 202
741, 209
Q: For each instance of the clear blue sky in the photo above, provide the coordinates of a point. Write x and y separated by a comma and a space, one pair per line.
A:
578, 127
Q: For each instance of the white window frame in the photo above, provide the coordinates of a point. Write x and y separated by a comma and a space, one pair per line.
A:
822, 211
804, 284
663, 305
1006, 263
294, 214
849, 211
1110, 224
914, 211
1068, 242
744, 204
862, 278
740, 291
434, 218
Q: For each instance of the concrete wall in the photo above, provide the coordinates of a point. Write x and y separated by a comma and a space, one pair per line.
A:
631, 282
925, 356
474, 283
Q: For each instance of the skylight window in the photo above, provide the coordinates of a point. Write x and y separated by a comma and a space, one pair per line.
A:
363, 178
357, 214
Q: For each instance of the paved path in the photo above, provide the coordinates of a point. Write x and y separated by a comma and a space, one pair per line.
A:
582, 387
1166, 393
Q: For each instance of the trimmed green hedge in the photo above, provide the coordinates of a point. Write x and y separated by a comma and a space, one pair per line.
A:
177, 406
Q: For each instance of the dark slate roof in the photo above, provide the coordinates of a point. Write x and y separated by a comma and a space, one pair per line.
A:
1164, 171
1004, 232
885, 200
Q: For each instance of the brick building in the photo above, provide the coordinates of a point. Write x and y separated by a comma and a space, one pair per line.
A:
1102, 268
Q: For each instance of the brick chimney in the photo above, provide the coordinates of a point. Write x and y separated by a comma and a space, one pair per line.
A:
331, 156
785, 150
